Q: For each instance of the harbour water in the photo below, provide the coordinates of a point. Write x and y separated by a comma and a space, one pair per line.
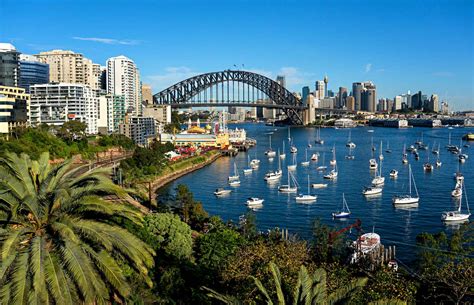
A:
396, 226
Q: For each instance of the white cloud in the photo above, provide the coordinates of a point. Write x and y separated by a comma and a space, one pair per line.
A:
108, 40
368, 67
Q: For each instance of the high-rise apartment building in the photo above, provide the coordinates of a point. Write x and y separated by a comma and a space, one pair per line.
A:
123, 79
32, 72
57, 103
397, 103
14, 108
9, 65
161, 113
72, 68
326, 81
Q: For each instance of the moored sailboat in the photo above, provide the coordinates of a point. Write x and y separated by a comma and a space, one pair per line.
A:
407, 199
306, 197
344, 212
452, 216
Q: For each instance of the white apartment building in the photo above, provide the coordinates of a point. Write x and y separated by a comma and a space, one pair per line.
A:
57, 103
397, 103
72, 68
123, 79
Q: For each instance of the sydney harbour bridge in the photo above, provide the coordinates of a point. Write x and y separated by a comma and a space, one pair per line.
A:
232, 88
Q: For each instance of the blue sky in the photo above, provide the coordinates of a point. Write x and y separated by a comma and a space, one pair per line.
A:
399, 45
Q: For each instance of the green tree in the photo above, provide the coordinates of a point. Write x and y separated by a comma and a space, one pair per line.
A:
215, 247
169, 234
191, 210
309, 289
59, 240
72, 131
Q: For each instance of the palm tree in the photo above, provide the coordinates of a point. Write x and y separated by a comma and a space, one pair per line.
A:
60, 242
309, 290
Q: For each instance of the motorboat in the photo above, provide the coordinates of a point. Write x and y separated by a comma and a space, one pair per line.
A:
371, 190
289, 188
370, 130
452, 216
407, 199
253, 201
435, 151
222, 192
344, 212
319, 185
306, 197
393, 173
373, 146
373, 164
235, 176
349, 143
318, 137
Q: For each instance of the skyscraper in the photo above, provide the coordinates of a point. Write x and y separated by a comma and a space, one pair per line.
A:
32, 72
341, 98
320, 88
304, 94
281, 80
123, 79
9, 65
368, 97
326, 81
357, 89
417, 101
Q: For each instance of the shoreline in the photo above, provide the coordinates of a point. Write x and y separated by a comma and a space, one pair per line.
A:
168, 178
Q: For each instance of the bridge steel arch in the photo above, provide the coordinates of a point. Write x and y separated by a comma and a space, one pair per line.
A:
181, 93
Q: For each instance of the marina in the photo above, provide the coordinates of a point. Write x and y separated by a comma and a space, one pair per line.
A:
282, 210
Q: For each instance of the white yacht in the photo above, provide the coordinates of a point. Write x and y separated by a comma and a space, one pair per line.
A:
394, 173
234, 183
333, 160
319, 185
253, 201
318, 137
314, 157
275, 175
373, 164
349, 143
306, 197
289, 188
407, 199
270, 152
283, 154
344, 212
457, 215
405, 155
235, 176
306, 161
372, 190
322, 167
222, 192
332, 174
293, 166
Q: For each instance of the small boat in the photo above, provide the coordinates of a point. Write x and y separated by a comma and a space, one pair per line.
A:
372, 190
306, 162
319, 185
349, 143
417, 156
314, 157
293, 166
234, 183
468, 136
309, 145
428, 167
367, 242
393, 173
333, 160
248, 170
379, 179
457, 192
253, 201
306, 197
283, 154
222, 192
345, 212
322, 167
350, 156
332, 175
457, 215
438, 163
275, 175
318, 137
373, 146
270, 152
407, 199
435, 151
235, 176
255, 163
288, 188
404, 156
463, 158
373, 164
293, 149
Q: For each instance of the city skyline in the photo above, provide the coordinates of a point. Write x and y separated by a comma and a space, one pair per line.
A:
420, 53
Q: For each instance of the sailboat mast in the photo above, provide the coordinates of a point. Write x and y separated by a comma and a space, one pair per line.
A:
409, 178
279, 160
